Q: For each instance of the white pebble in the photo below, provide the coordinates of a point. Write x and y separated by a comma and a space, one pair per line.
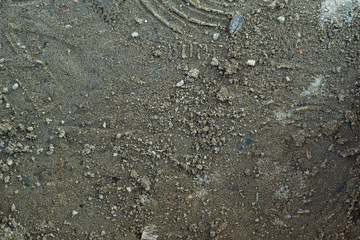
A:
7, 179
135, 34
15, 86
281, 19
216, 36
74, 213
180, 84
214, 62
9, 162
250, 62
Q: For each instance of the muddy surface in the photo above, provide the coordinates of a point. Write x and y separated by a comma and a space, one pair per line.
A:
179, 119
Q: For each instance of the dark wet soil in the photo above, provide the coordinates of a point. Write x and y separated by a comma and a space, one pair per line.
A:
152, 120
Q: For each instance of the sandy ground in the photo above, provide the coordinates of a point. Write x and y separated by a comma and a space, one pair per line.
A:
179, 119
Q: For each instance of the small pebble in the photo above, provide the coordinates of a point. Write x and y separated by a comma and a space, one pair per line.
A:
140, 20
9, 162
216, 36
74, 213
15, 86
180, 84
281, 19
250, 62
13, 208
214, 62
135, 34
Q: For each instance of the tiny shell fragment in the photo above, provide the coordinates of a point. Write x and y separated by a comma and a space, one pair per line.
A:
235, 24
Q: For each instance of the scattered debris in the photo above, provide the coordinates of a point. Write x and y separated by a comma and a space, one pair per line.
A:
88, 149
330, 127
194, 73
336, 11
149, 233
350, 152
